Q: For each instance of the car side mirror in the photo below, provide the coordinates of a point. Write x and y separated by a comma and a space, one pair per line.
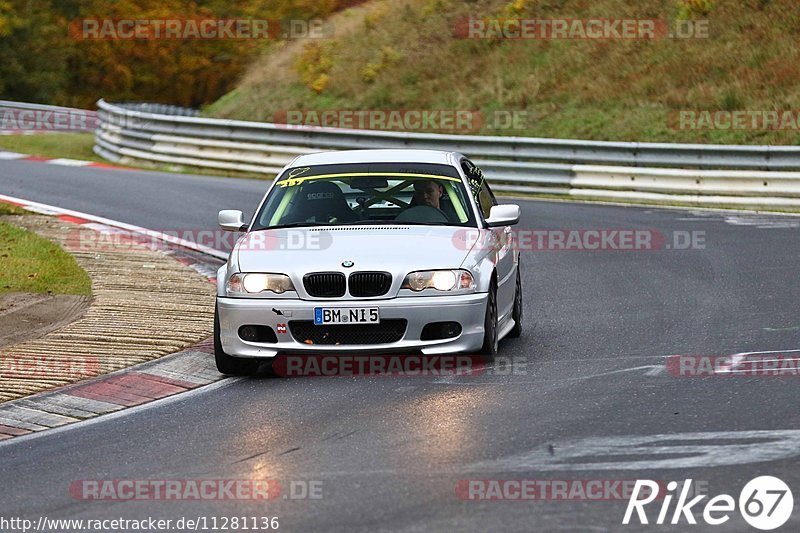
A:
503, 215
231, 220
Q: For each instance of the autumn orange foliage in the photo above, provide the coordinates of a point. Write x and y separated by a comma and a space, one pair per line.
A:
43, 61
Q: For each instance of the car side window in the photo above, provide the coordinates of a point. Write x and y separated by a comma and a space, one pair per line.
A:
486, 200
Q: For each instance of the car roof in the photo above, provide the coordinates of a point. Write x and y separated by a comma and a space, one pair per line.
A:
375, 156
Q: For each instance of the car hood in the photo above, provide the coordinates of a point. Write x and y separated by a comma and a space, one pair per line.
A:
398, 249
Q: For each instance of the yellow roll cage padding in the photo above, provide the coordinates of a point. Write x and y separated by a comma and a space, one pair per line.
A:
451, 193
285, 202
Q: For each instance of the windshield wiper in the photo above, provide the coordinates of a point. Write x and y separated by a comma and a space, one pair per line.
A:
412, 223
389, 223
294, 225
365, 223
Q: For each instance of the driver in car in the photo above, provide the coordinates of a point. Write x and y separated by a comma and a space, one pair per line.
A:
428, 192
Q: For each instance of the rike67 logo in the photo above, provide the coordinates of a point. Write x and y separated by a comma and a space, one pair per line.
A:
765, 503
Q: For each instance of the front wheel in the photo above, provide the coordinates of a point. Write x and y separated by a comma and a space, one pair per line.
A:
491, 341
225, 363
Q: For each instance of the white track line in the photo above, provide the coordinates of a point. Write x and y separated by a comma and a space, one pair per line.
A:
69, 162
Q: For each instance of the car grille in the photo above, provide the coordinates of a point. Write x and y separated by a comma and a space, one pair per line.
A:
324, 284
387, 331
366, 284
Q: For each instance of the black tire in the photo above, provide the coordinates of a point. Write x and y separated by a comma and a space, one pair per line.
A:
490, 336
225, 363
516, 313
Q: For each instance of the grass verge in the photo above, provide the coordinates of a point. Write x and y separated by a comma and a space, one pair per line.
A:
30, 263
53, 145
8, 209
404, 55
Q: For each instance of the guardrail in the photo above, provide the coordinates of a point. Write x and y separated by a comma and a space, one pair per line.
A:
747, 176
21, 117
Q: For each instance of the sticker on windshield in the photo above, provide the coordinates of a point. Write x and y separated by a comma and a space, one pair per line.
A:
298, 171
475, 178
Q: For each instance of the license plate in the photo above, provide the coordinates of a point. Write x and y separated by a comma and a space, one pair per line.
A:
346, 315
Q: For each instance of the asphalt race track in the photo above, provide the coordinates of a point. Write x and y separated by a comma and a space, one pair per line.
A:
586, 389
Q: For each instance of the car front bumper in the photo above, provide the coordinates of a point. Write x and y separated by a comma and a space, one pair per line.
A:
468, 310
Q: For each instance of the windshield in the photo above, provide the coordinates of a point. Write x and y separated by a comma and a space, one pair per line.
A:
367, 193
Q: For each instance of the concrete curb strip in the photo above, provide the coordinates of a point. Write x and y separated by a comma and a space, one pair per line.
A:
137, 286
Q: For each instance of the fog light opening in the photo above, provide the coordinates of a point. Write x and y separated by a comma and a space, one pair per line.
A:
254, 333
440, 331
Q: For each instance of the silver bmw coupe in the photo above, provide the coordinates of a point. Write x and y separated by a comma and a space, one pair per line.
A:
369, 251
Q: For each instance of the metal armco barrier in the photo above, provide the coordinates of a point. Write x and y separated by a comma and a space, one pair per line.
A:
744, 176
21, 117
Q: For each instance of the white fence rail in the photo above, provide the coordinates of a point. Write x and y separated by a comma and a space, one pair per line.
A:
747, 176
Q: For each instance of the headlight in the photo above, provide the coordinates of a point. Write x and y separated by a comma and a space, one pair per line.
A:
441, 280
256, 283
